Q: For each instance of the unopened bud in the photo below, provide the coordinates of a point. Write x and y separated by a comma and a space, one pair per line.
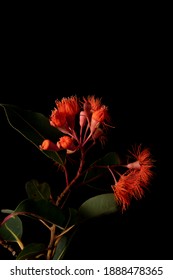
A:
94, 125
48, 145
66, 142
82, 118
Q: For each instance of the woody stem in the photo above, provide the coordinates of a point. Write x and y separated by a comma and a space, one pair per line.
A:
53, 228
112, 174
74, 179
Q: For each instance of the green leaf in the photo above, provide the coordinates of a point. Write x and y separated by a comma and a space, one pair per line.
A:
96, 169
12, 229
110, 158
71, 217
37, 191
35, 127
61, 248
97, 206
41, 209
31, 250
7, 211
63, 243
66, 238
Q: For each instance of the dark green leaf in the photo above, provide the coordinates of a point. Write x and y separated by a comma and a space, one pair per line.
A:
65, 239
12, 229
97, 169
61, 248
31, 250
35, 127
72, 217
37, 191
63, 243
99, 205
109, 159
41, 209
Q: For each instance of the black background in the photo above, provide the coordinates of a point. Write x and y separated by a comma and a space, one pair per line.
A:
130, 73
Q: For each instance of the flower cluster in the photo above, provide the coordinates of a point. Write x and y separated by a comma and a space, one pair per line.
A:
93, 119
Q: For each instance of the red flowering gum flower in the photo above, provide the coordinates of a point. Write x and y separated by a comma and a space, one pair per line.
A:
95, 103
128, 187
63, 117
144, 164
99, 116
58, 119
70, 107
91, 104
132, 182
48, 145
66, 142
122, 195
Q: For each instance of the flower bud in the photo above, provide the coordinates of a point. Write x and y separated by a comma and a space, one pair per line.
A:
66, 142
82, 118
48, 145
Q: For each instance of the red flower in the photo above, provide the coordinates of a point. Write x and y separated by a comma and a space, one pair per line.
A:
95, 103
144, 164
66, 142
121, 192
99, 117
58, 119
133, 181
90, 105
63, 117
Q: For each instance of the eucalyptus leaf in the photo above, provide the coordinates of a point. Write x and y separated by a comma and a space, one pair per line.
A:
37, 191
31, 250
35, 127
97, 206
96, 169
12, 229
61, 248
72, 217
66, 236
6, 211
41, 209
63, 242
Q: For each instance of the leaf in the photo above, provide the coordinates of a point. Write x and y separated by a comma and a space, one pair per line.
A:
110, 158
35, 127
61, 248
37, 191
41, 209
96, 169
66, 236
97, 206
12, 229
7, 211
72, 217
62, 242
30, 251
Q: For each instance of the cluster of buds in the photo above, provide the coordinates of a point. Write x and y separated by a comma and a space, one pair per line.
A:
93, 117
